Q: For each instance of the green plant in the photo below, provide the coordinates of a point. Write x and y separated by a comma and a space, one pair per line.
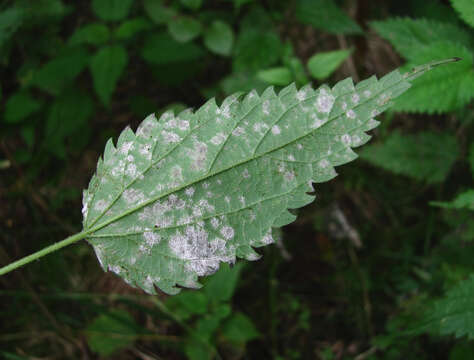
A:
182, 194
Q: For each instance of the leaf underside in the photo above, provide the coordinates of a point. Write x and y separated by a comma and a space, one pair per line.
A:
171, 201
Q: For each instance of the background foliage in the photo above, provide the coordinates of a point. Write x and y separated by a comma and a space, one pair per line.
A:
379, 267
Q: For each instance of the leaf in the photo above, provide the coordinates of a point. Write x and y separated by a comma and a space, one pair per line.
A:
131, 27
111, 10
19, 106
221, 286
276, 76
94, 34
107, 66
453, 314
111, 332
171, 201
159, 13
175, 51
465, 9
219, 38
256, 49
239, 329
10, 20
67, 115
184, 28
61, 71
323, 64
192, 4
464, 200
425, 156
444, 89
325, 15
409, 36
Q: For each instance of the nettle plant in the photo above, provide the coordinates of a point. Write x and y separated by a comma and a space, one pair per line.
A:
171, 201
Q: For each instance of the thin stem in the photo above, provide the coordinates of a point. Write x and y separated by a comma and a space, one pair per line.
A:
47, 250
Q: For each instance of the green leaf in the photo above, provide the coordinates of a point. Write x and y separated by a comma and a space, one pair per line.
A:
256, 49
107, 66
222, 285
219, 38
175, 51
94, 34
159, 13
111, 10
187, 304
465, 9
276, 76
19, 106
471, 157
111, 332
425, 156
61, 71
131, 27
184, 28
325, 15
67, 115
10, 20
184, 193
239, 329
323, 64
192, 4
409, 36
464, 200
453, 314
444, 89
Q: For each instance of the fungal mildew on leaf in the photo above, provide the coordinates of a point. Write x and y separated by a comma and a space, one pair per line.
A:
172, 200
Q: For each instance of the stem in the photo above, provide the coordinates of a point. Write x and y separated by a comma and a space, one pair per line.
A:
39, 254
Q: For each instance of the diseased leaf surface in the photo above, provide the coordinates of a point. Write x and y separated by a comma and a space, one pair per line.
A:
172, 200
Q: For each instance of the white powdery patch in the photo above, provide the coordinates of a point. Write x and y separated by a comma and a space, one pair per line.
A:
215, 222
101, 205
99, 252
183, 125
238, 131
151, 238
227, 199
224, 111
266, 107
276, 130
189, 191
367, 93
317, 121
268, 238
324, 163
351, 114
291, 157
130, 158
355, 98
126, 147
245, 174
344, 106
242, 200
170, 137
346, 139
145, 151
218, 139
171, 124
356, 140
299, 146
324, 102
176, 174
289, 176
205, 185
131, 170
227, 232
259, 127
198, 156
133, 196
147, 126
301, 95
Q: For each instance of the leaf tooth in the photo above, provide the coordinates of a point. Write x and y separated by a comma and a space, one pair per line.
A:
147, 127
343, 87
109, 151
284, 218
369, 82
246, 252
287, 91
125, 140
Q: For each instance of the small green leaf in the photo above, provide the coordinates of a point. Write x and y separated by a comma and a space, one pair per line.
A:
323, 64
192, 4
10, 20
425, 156
173, 200
19, 106
159, 13
175, 51
222, 285
464, 200
219, 38
94, 34
107, 66
239, 329
184, 28
325, 15
111, 10
131, 27
465, 9
276, 76
256, 49
61, 70
111, 332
